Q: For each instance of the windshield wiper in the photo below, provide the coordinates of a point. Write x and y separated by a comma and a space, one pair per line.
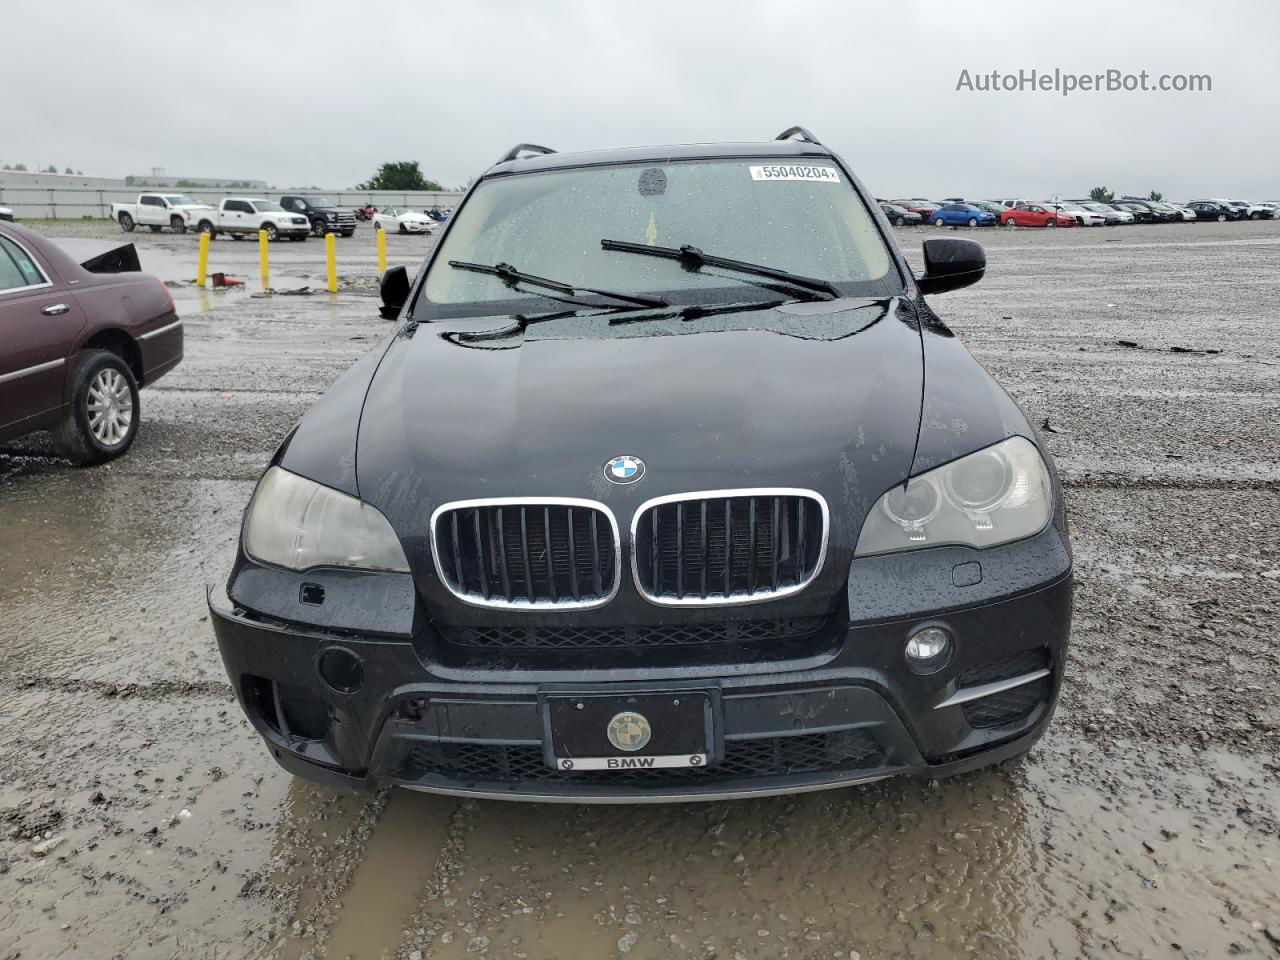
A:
695, 259
513, 277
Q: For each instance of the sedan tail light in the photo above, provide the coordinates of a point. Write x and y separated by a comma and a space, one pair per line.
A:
173, 307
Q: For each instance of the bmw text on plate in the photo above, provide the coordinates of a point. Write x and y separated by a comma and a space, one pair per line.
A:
666, 483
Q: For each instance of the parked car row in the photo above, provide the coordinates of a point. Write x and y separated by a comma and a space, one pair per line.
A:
295, 217
956, 211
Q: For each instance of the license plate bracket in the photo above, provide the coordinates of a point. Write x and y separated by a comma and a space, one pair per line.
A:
629, 731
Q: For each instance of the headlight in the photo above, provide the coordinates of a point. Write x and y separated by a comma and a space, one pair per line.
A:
297, 523
993, 496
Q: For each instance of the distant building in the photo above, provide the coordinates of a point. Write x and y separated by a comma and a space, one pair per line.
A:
161, 179
57, 181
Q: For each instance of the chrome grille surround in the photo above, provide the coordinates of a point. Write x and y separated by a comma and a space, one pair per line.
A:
477, 599
761, 595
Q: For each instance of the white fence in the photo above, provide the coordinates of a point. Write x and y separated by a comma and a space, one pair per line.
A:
74, 203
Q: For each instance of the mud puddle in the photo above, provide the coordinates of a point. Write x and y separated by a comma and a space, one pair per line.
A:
1036, 860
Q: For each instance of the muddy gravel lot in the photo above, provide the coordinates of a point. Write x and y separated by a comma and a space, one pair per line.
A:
140, 816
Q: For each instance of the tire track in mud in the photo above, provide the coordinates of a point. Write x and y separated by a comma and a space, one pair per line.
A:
155, 690
319, 875
1122, 482
411, 858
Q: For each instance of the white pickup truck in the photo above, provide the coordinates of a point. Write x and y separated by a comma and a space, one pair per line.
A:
238, 216
176, 211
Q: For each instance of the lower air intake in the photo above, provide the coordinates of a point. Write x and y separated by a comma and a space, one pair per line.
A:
769, 757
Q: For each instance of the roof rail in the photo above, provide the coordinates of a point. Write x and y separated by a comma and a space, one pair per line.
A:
520, 148
798, 133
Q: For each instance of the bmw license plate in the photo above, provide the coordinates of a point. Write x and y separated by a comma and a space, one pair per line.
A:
633, 731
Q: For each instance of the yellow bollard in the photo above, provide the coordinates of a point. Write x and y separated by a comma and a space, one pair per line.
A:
202, 265
382, 250
331, 255
263, 244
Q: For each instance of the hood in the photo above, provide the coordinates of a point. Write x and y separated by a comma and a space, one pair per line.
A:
823, 395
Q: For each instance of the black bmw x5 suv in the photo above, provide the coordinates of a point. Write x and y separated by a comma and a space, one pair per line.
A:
666, 484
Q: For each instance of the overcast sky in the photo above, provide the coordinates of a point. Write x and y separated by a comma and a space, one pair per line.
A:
299, 93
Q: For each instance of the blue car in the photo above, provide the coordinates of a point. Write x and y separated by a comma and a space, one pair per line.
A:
961, 215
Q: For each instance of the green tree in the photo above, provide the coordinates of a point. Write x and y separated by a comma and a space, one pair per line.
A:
68, 170
1101, 195
404, 175
1155, 195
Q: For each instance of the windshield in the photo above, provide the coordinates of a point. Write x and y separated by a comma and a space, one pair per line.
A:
804, 219
320, 201
267, 206
179, 200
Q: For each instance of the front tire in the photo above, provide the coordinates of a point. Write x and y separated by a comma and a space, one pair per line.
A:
272, 232
973, 221
102, 419
939, 222
1051, 223
126, 223
318, 228
898, 221
206, 226
1222, 218
177, 225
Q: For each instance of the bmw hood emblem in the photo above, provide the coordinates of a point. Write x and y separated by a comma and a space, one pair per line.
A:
624, 469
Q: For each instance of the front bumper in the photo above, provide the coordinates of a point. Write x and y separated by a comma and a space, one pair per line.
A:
856, 715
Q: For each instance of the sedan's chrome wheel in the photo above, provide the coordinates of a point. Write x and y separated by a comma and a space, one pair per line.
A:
110, 404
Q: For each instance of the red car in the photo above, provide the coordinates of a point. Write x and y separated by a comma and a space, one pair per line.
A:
926, 208
1035, 215
80, 336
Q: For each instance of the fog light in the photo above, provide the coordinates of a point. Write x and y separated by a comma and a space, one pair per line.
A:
929, 650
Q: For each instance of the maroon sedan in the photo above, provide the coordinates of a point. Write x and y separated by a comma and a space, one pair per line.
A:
78, 337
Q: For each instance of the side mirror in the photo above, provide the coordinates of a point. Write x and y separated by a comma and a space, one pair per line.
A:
395, 292
950, 264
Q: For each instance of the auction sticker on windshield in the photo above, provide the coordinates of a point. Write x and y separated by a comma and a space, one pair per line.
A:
818, 174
